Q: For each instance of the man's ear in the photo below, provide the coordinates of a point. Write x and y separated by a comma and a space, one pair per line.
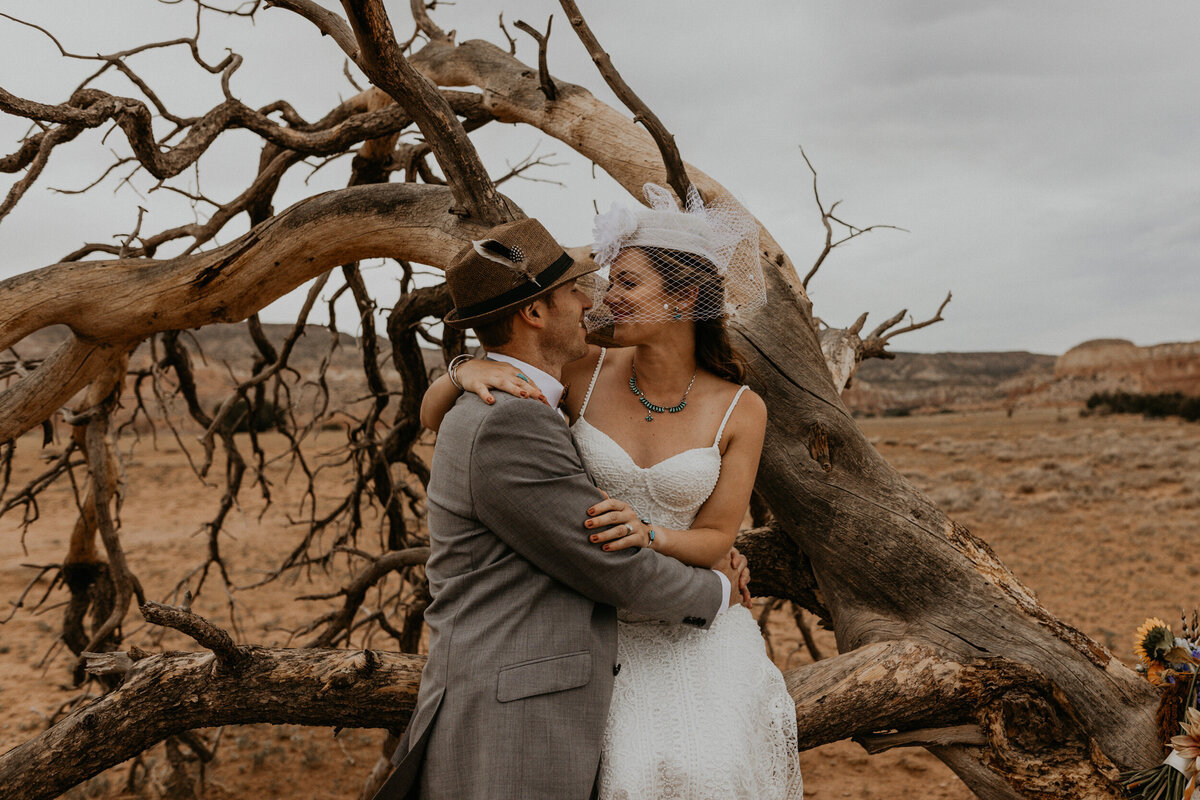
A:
534, 314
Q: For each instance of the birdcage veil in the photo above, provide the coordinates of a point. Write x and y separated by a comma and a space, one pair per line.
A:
662, 263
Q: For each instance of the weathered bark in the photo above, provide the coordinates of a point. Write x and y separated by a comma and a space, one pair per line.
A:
889, 565
175, 692
226, 284
939, 641
380, 57
90, 108
879, 686
844, 348
32, 399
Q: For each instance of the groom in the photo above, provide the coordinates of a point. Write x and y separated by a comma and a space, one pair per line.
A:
523, 628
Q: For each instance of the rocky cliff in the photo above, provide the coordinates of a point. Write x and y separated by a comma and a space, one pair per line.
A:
909, 383
1173, 367
929, 382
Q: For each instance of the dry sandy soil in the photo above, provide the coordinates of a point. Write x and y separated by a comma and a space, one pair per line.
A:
1098, 515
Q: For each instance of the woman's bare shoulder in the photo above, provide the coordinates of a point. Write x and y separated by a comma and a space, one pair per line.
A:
749, 414
752, 407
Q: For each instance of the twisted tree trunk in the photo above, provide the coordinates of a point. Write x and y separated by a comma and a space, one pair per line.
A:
890, 566
171, 693
941, 645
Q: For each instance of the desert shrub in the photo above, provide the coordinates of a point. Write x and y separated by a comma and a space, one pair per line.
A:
1153, 406
266, 417
952, 499
1077, 471
1053, 504
897, 412
1035, 479
918, 479
1111, 455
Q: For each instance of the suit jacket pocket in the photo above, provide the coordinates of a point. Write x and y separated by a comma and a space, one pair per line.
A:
544, 675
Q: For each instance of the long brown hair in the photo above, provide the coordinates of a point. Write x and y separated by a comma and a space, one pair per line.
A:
683, 271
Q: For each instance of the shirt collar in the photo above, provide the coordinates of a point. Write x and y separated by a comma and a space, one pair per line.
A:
550, 386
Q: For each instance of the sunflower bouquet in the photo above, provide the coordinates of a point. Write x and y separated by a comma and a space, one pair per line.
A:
1170, 663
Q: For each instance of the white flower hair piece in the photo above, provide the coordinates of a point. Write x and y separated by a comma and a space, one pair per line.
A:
610, 230
720, 240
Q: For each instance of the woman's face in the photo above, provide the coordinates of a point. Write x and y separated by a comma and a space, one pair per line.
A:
635, 291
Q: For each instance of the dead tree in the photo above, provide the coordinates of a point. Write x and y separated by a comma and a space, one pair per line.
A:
940, 644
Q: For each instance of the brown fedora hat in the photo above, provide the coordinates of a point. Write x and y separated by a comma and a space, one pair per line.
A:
515, 264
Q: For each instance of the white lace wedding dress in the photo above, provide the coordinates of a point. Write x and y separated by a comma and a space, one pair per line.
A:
696, 714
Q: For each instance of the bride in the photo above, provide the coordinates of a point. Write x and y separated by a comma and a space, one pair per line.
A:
664, 423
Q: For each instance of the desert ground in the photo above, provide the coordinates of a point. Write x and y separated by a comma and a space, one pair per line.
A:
1098, 515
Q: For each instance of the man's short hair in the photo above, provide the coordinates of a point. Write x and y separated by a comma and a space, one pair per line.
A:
498, 332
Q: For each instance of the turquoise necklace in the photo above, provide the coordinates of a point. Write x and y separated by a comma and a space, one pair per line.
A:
651, 407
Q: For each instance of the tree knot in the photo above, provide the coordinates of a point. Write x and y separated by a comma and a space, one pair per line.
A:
818, 445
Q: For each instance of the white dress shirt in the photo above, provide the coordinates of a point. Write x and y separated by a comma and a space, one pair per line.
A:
550, 386
553, 389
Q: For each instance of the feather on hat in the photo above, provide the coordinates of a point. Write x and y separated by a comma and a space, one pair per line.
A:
512, 258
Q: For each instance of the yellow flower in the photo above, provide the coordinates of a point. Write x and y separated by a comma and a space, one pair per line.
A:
1152, 640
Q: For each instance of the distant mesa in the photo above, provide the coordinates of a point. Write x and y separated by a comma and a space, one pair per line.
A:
931, 382
911, 383
1172, 367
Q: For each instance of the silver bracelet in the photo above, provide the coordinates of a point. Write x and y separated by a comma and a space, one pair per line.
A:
647, 523
452, 369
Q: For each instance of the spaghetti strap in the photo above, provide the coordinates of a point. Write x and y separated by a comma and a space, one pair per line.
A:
592, 385
728, 413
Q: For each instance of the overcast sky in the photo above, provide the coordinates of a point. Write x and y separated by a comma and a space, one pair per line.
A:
1044, 156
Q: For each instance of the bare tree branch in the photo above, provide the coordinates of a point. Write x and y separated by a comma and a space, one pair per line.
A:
97, 516
425, 24
225, 284
230, 655
543, 40
168, 694
381, 59
90, 108
327, 22
676, 173
827, 218
876, 341
512, 43
356, 591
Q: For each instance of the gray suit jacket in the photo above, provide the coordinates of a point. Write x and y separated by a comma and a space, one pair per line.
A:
522, 648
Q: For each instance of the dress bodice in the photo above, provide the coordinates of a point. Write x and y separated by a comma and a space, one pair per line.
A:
668, 493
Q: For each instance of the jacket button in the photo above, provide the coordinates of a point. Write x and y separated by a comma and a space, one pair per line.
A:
616, 669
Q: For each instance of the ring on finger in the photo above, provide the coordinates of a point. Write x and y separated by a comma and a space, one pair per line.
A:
628, 527
523, 376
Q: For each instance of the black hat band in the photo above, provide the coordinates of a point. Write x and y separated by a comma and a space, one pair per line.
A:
527, 289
